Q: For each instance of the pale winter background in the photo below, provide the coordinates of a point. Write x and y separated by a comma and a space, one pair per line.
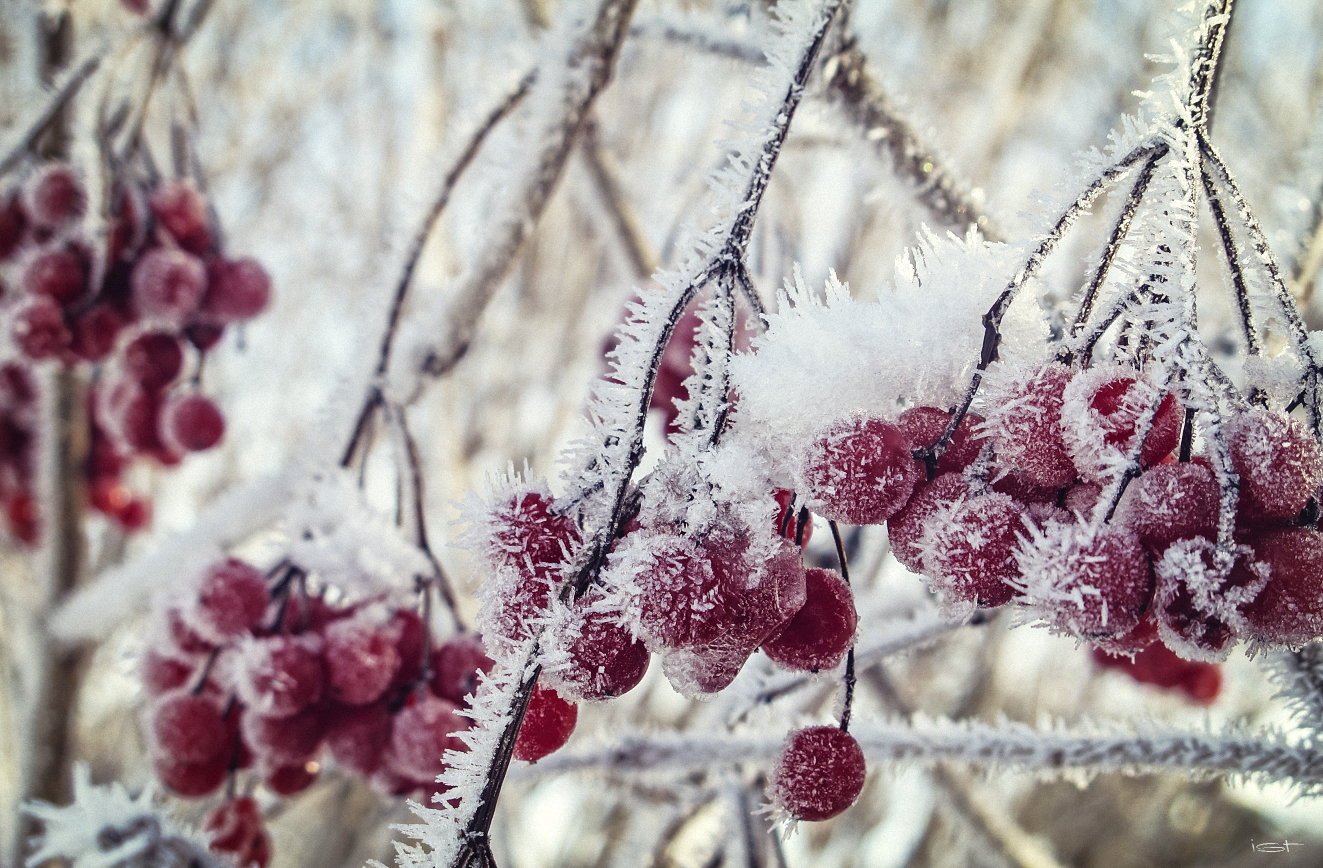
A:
324, 131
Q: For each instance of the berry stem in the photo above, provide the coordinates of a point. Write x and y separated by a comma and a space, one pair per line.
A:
849, 656
49, 113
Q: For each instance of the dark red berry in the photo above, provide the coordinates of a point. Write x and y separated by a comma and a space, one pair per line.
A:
787, 521
1289, 609
547, 725
191, 423
154, 359
190, 728
237, 289
59, 273
906, 527
423, 732
235, 828
203, 335
231, 600
288, 740
282, 675
1280, 465
13, 226
1025, 424
95, 331
53, 197
1171, 502
860, 470
190, 780
288, 780
969, 548
362, 659
181, 210
819, 774
924, 426
23, 517
455, 667
161, 673
822, 631
39, 328
168, 284
359, 735
606, 661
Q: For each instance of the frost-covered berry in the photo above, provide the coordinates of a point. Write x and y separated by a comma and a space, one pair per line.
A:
190, 728
969, 548
287, 740
760, 591
231, 600
190, 780
181, 210
906, 527
1200, 590
59, 273
1171, 502
822, 631
695, 672
168, 283
860, 471
819, 774
423, 732
1091, 581
673, 588
359, 735
191, 423
39, 328
154, 359
162, 673
288, 780
235, 828
237, 289
547, 725
281, 675
94, 332
1100, 415
53, 197
1024, 421
924, 426
1279, 464
362, 660
455, 667
605, 660
1289, 609
411, 646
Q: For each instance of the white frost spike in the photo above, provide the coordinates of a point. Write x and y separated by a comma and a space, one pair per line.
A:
1198, 601
105, 826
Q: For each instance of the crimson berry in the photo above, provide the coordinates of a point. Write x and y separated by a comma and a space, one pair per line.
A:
168, 283
819, 774
787, 521
190, 728
423, 732
820, 633
154, 359
39, 328
235, 828
1102, 409
1158, 665
411, 646
191, 423
1025, 425
282, 675
17, 387
53, 197
905, 528
138, 415
546, 727
1289, 609
1279, 464
362, 660
455, 667
605, 660
287, 740
13, 226
924, 426
359, 735
134, 515
185, 638
94, 332
231, 600
23, 517
190, 780
860, 470
674, 588
59, 273
970, 548
288, 780
237, 289
1171, 502
203, 335
1094, 581
181, 210
161, 673
760, 591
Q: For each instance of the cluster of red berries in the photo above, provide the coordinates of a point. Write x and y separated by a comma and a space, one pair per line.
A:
1014, 509
158, 286
258, 674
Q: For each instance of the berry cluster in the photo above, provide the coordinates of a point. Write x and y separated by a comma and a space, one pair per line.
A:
258, 674
1070, 498
156, 291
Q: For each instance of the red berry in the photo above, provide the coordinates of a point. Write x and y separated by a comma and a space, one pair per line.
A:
860, 471
422, 734
820, 633
1171, 502
969, 548
288, 740
547, 725
819, 774
760, 591
673, 588
411, 646
1199, 592
1280, 465
905, 528
235, 828
1289, 609
359, 735
153, 360
94, 332
237, 289
1091, 581
13, 226
60, 273
190, 728
362, 660
924, 426
168, 283
606, 661
39, 328
1159, 666
23, 516
180, 209
134, 515
53, 197
17, 387
231, 600
455, 667
191, 780
161, 673
787, 522
700, 671
288, 780
137, 413
281, 675
1101, 412
1025, 424
185, 638
202, 335
191, 423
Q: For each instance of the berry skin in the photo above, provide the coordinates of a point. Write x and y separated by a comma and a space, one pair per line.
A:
1159, 666
906, 527
162, 674
423, 733
819, 774
1102, 406
1026, 429
39, 328
455, 667
1289, 609
677, 597
362, 660
235, 828
412, 640
232, 599
191, 423
923, 426
860, 471
168, 284
59, 273
289, 740
95, 331
180, 209
237, 289
190, 729
606, 661
53, 197
547, 725
203, 335
1092, 582
153, 360
358, 736
1171, 502
288, 780
190, 780
820, 633
1279, 464
969, 548
282, 675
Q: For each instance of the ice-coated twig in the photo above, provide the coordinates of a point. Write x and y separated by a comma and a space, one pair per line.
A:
1300, 674
1232, 256
590, 61
699, 39
870, 107
33, 130
607, 181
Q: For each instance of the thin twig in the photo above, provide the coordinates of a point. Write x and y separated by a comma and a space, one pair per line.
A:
38, 125
607, 180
